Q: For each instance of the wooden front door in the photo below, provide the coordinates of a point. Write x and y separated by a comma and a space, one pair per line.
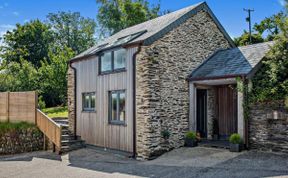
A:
227, 110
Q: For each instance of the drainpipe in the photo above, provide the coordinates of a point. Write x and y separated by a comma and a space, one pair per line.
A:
75, 97
134, 101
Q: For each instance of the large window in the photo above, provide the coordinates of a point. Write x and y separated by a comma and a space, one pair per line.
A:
88, 100
113, 61
117, 109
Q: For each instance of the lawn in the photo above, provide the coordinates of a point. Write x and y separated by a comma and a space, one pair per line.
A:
59, 111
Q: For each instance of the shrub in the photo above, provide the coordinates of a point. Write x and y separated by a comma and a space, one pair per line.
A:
191, 135
235, 139
7, 126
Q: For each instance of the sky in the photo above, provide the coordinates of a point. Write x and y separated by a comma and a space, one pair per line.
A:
229, 12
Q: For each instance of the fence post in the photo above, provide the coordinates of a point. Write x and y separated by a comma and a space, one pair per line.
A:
7, 103
36, 106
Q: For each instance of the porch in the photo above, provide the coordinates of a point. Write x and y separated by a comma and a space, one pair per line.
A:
216, 110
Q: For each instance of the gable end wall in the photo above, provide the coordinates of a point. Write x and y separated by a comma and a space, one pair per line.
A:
162, 92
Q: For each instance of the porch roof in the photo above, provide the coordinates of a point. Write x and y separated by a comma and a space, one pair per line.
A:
231, 62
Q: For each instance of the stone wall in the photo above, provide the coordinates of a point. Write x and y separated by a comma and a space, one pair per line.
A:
20, 141
162, 91
268, 127
211, 110
71, 99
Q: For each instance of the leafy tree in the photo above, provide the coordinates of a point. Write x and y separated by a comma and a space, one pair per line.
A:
29, 41
270, 25
245, 39
53, 76
19, 76
115, 15
271, 81
72, 30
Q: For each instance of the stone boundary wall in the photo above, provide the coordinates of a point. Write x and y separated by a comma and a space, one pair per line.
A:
21, 141
268, 127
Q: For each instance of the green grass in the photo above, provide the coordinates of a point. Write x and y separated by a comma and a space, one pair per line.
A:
8, 126
56, 112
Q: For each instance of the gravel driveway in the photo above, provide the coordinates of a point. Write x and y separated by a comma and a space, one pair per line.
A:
182, 162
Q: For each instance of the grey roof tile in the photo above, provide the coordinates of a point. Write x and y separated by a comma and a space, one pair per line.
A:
231, 62
154, 29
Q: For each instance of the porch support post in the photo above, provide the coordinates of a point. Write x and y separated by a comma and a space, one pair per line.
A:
192, 107
241, 122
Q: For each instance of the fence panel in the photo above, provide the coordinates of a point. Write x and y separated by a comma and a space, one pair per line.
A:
18, 106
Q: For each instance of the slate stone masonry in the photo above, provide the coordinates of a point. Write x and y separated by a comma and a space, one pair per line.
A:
268, 127
21, 141
162, 91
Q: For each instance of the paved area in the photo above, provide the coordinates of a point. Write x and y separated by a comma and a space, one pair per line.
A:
182, 162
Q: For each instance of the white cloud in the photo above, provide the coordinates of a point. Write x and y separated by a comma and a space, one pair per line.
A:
4, 28
16, 13
282, 2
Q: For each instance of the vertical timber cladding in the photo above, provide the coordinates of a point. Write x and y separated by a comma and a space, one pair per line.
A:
93, 127
227, 110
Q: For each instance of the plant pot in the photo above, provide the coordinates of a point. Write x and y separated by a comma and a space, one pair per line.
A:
235, 147
190, 143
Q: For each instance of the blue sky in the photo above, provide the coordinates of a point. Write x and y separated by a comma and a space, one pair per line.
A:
229, 12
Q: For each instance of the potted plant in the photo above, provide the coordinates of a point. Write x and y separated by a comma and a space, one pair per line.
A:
165, 134
215, 129
235, 142
191, 139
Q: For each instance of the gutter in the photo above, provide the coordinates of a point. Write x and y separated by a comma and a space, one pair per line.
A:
75, 97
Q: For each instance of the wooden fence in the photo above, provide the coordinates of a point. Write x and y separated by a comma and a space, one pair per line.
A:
18, 106
22, 106
49, 127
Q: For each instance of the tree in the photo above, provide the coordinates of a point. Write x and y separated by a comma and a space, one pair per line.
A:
29, 41
271, 81
115, 15
53, 76
19, 76
245, 40
270, 25
72, 30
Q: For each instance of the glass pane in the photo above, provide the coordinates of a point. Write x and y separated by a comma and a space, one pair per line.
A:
120, 59
106, 62
86, 101
122, 110
114, 106
93, 101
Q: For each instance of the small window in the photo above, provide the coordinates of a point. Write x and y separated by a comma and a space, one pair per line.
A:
117, 108
113, 61
88, 101
119, 59
106, 62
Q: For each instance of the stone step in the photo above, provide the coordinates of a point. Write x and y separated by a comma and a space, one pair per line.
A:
68, 148
71, 142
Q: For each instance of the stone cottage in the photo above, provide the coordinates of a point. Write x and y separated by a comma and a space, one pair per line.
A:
166, 75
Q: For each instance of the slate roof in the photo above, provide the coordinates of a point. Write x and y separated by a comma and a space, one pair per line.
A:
152, 30
231, 62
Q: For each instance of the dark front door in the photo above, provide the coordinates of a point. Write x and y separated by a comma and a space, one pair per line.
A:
227, 110
202, 112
